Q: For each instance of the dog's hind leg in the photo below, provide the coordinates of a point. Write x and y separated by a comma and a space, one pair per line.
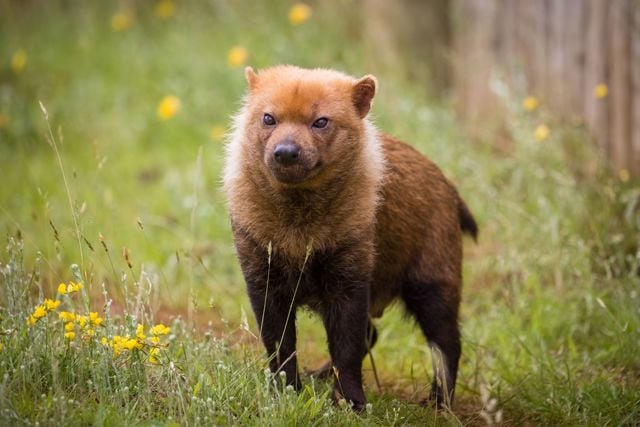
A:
436, 311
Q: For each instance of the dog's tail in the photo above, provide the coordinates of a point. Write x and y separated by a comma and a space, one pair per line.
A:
467, 221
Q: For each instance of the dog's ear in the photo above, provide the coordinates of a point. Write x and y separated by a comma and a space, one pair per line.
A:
363, 92
251, 76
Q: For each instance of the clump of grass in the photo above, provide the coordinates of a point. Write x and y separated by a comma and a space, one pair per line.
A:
106, 368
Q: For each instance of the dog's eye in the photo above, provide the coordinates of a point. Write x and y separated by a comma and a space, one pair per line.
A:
268, 120
322, 122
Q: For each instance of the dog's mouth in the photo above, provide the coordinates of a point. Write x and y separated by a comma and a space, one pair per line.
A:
294, 174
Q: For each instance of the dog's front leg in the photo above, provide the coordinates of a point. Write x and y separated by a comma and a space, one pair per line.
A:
278, 332
346, 323
273, 304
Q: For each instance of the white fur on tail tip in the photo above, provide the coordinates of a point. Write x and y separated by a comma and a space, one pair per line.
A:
441, 370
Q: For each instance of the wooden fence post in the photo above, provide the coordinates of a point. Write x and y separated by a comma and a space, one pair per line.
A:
620, 83
635, 90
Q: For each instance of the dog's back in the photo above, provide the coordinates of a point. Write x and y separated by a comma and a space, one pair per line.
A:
419, 225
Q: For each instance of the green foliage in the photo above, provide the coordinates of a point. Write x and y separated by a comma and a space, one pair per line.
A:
550, 307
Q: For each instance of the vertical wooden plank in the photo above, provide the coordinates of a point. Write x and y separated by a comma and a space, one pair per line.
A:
431, 35
574, 43
596, 110
556, 58
531, 42
475, 58
620, 78
635, 91
506, 57
462, 61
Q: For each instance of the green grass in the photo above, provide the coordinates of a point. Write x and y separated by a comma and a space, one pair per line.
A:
550, 314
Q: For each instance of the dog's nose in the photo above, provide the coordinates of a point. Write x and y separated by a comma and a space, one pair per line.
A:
286, 153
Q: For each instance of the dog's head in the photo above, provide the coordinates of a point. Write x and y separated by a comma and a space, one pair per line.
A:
301, 124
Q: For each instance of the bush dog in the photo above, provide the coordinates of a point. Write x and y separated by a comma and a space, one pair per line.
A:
329, 213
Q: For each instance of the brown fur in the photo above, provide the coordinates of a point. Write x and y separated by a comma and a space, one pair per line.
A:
380, 219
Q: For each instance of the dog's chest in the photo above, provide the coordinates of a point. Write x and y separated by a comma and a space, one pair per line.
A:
293, 230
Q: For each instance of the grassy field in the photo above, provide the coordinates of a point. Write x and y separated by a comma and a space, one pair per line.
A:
108, 186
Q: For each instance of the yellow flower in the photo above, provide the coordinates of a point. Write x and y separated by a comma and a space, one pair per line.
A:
67, 316
600, 91
51, 304
82, 321
95, 320
237, 56
91, 332
121, 21
168, 107
299, 13
73, 287
116, 344
18, 61
217, 133
132, 343
164, 9
39, 312
153, 355
69, 326
124, 343
530, 103
62, 289
155, 340
541, 133
70, 335
140, 332
623, 174
159, 329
